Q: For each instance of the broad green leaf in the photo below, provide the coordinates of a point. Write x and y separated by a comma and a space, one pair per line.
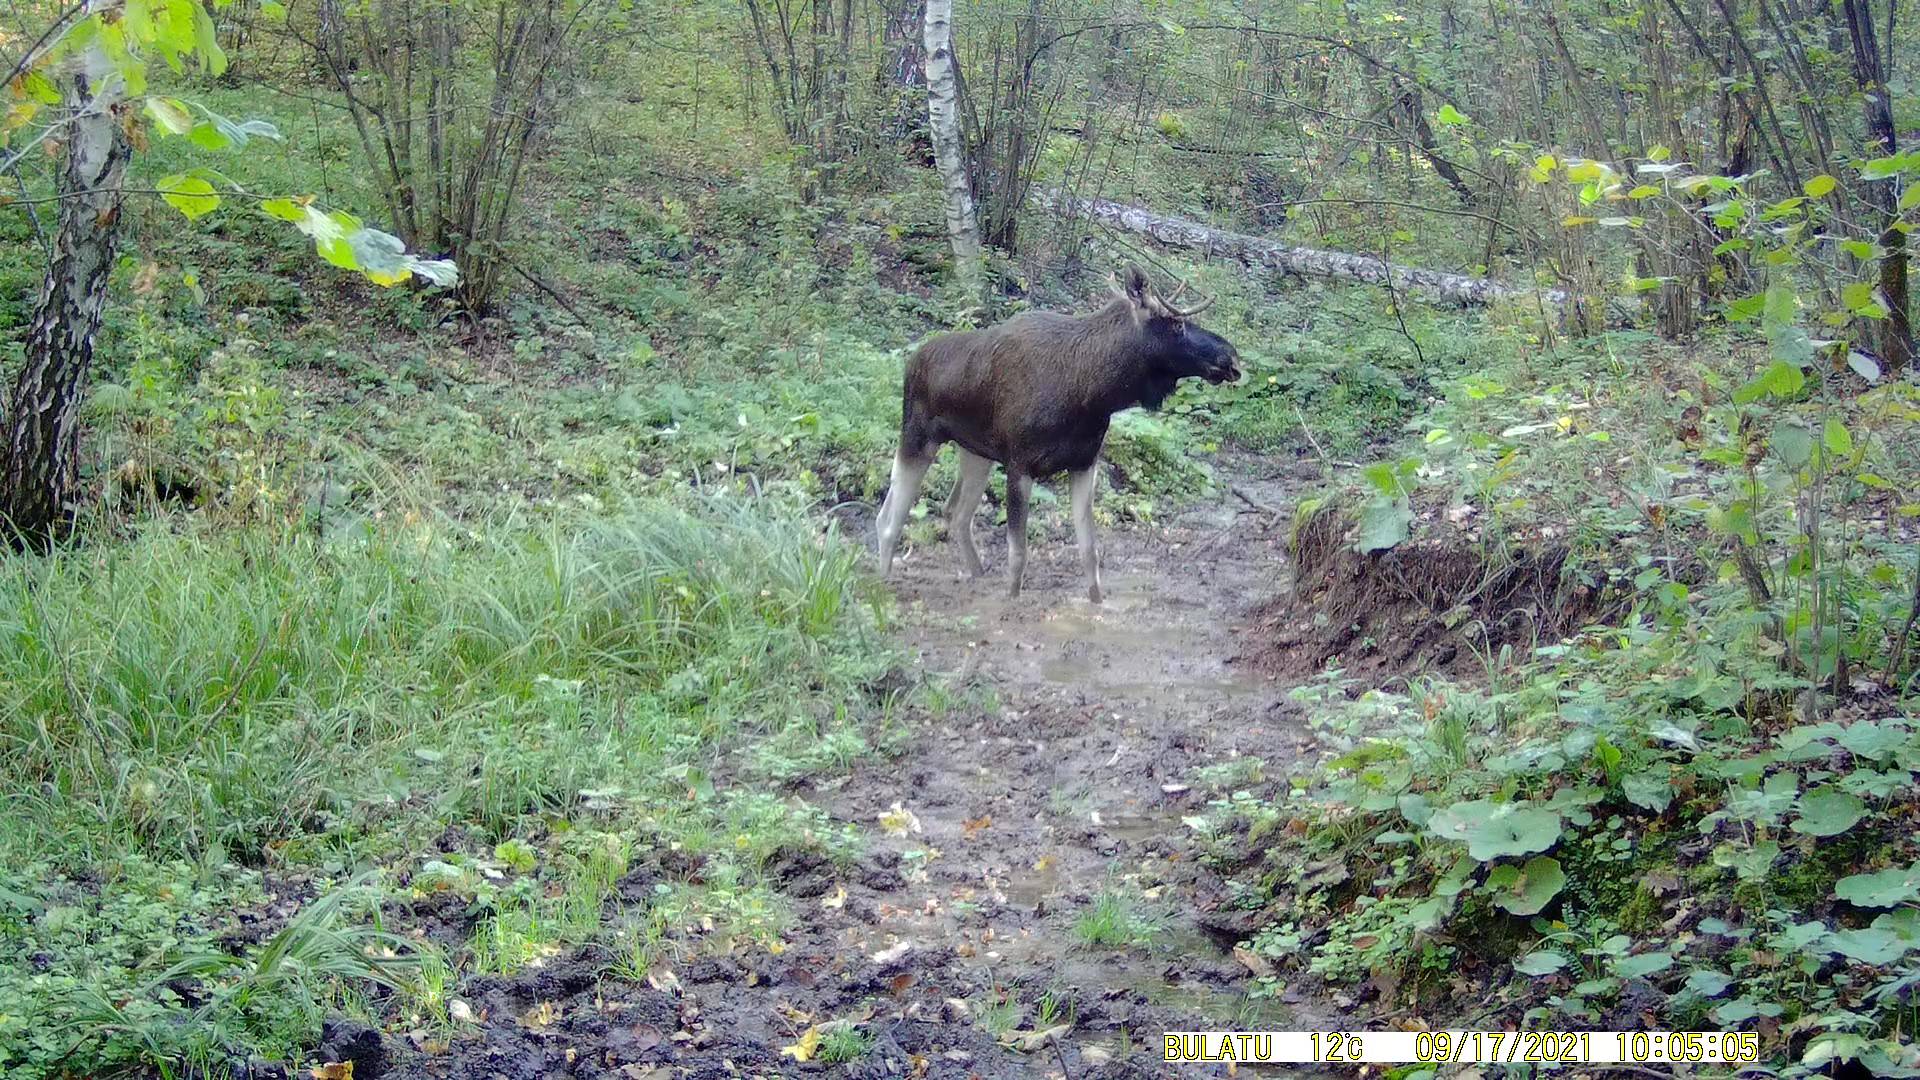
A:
1497, 830
171, 115
1643, 965
1644, 191
1860, 249
1540, 963
1658, 152
38, 87
1648, 790
1708, 983
191, 195
1528, 889
1835, 436
284, 209
208, 136
1870, 945
1450, 116
1792, 443
1384, 523
1881, 889
1819, 186
1828, 811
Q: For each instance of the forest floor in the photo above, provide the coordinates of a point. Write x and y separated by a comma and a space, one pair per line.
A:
1032, 903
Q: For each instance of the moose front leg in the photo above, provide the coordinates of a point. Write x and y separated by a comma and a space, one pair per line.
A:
1081, 486
1019, 487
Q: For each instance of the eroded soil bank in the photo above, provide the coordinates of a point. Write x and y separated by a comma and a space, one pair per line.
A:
969, 940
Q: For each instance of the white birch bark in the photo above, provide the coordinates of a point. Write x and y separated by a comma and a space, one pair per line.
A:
949, 154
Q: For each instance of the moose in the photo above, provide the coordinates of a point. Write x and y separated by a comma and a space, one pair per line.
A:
1036, 393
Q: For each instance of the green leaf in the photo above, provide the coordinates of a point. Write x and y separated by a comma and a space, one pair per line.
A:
1860, 297
191, 195
1779, 379
1819, 186
1643, 965
1527, 890
1869, 946
1658, 152
1644, 191
208, 136
1792, 443
170, 114
1450, 116
1648, 790
1881, 889
1384, 523
272, 9
1828, 811
1708, 983
1497, 830
1540, 963
1836, 437
284, 209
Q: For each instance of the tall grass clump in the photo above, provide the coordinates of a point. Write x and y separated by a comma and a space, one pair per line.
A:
189, 694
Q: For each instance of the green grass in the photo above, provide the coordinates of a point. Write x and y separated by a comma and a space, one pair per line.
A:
1114, 920
189, 706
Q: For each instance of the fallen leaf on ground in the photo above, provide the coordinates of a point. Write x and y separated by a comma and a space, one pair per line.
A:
336, 1070
837, 900
899, 821
809, 1042
541, 1016
460, 1011
977, 824
893, 953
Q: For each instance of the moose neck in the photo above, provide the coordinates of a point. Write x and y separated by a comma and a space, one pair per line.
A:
1129, 373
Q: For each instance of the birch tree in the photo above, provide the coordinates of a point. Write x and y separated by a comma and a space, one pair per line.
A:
81, 88
949, 153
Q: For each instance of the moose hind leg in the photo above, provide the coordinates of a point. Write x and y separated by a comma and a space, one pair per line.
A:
902, 492
1019, 487
1081, 486
961, 507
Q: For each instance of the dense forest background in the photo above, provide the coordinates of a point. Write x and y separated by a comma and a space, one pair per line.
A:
443, 438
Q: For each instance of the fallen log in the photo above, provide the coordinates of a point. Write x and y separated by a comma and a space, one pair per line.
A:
1314, 262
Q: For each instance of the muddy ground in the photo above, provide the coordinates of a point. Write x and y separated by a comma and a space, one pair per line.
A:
1064, 771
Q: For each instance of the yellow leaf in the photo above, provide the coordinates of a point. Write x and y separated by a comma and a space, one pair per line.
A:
337, 1070
837, 900
808, 1045
899, 821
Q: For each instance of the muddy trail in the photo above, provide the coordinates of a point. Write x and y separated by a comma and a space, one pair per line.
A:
1033, 905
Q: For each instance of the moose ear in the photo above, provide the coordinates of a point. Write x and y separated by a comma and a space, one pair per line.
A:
1133, 281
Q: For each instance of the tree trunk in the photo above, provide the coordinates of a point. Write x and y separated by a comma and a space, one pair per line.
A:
902, 76
1254, 251
943, 118
43, 422
1896, 331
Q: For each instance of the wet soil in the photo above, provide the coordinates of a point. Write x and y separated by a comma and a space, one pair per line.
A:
1062, 771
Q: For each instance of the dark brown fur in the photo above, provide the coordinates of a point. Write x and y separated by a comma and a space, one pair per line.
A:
1037, 393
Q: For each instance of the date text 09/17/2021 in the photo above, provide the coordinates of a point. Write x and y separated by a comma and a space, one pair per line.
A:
1484, 1047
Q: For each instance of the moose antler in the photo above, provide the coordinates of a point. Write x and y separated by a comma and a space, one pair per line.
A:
1175, 312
